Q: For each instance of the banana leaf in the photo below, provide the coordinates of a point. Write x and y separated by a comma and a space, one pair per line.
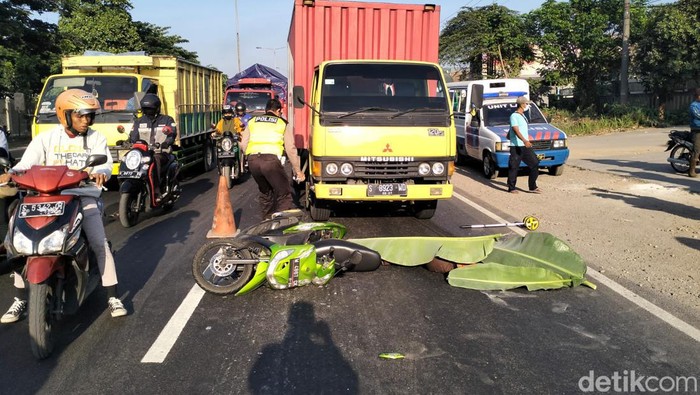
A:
414, 251
536, 261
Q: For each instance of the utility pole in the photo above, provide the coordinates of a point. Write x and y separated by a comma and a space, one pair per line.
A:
238, 40
624, 74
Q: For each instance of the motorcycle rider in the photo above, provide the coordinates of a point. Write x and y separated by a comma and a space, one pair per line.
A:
70, 144
228, 123
242, 115
695, 133
264, 140
154, 127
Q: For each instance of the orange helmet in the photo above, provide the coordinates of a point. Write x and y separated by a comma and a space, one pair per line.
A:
75, 100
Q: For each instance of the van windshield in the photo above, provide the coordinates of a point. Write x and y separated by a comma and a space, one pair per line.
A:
113, 92
387, 87
499, 114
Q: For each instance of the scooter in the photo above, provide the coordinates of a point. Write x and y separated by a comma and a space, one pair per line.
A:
229, 157
136, 178
282, 252
46, 236
681, 148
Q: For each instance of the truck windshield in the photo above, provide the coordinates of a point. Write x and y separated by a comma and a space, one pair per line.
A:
397, 87
499, 114
116, 94
255, 101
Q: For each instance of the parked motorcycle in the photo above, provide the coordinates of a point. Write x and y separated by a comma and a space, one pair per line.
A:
136, 178
283, 252
229, 157
46, 232
681, 148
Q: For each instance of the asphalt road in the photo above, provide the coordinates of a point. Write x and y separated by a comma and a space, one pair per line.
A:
327, 340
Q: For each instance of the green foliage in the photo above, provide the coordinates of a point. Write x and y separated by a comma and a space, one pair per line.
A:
494, 31
156, 41
613, 118
99, 25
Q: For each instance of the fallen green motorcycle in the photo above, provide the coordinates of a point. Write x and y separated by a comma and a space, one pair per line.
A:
282, 252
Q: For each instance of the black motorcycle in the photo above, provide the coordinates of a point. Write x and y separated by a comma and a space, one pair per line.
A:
681, 147
137, 170
229, 157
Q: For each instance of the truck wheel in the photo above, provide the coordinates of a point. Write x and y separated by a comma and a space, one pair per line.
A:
556, 170
209, 157
489, 165
318, 213
424, 209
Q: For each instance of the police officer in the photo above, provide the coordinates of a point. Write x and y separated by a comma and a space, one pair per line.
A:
264, 140
154, 127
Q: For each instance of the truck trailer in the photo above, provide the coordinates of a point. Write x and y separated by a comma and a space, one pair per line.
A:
190, 93
371, 111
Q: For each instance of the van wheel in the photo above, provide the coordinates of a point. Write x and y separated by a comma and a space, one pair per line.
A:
489, 165
424, 209
556, 170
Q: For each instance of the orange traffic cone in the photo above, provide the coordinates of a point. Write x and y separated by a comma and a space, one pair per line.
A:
224, 224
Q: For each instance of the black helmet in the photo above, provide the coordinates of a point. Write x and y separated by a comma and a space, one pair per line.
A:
150, 104
240, 107
227, 109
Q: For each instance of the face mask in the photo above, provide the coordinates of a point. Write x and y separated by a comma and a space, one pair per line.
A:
527, 107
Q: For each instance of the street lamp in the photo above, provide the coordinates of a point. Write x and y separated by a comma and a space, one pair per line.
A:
274, 54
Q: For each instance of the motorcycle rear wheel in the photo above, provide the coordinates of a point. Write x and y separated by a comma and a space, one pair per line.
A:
214, 268
128, 209
41, 320
680, 152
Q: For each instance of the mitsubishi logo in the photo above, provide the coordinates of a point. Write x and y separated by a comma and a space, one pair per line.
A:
388, 149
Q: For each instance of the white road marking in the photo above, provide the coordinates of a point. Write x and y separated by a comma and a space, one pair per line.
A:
655, 310
168, 336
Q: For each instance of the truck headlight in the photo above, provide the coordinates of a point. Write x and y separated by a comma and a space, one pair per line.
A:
331, 169
559, 144
132, 159
21, 243
424, 169
438, 168
52, 243
346, 169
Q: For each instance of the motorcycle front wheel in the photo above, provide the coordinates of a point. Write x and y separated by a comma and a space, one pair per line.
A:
680, 153
215, 270
41, 320
128, 209
227, 176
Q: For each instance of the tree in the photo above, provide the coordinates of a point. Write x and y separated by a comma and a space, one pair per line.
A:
580, 41
155, 40
28, 50
493, 34
663, 59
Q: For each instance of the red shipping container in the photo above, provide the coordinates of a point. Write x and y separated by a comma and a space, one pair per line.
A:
336, 30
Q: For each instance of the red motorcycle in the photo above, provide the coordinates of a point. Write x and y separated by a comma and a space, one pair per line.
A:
46, 231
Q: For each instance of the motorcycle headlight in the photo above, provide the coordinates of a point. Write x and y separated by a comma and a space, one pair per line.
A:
226, 144
346, 169
52, 243
559, 144
22, 243
424, 169
132, 159
438, 168
331, 169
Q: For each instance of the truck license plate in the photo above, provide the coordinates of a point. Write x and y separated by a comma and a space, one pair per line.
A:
387, 189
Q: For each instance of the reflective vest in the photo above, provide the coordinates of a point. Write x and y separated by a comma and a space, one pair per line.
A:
266, 135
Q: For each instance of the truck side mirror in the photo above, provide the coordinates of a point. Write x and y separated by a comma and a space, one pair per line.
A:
298, 96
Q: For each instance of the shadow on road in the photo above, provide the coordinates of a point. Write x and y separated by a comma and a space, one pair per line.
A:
306, 362
661, 172
692, 243
650, 203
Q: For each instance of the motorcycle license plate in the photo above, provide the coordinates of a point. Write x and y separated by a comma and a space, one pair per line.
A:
399, 189
51, 209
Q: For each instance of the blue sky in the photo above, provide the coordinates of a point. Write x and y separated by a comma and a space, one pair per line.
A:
210, 26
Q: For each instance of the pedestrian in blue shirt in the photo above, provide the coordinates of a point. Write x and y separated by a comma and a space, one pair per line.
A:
695, 132
521, 149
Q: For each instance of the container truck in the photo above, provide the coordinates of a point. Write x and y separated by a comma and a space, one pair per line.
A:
190, 93
371, 113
